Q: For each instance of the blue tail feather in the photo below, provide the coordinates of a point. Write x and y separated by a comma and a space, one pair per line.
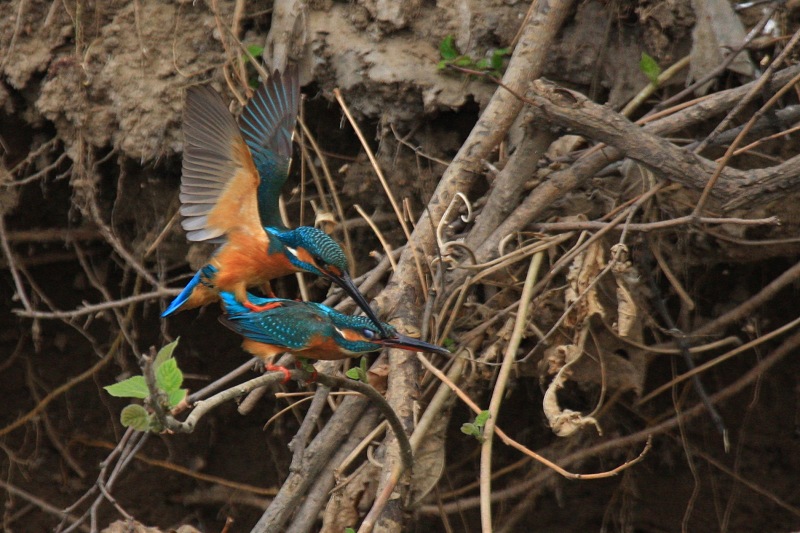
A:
232, 307
235, 309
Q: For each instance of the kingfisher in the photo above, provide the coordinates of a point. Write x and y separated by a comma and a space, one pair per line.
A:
231, 180
311, 330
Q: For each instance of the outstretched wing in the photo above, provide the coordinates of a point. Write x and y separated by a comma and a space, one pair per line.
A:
219, 181
267, 124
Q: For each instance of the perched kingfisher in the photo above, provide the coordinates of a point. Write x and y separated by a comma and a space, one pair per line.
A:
311, 330
230, 185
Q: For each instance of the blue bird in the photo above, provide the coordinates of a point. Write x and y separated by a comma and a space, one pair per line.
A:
230, 185
311, 330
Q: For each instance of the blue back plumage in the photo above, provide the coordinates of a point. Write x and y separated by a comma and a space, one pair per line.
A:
293, 324
267, 124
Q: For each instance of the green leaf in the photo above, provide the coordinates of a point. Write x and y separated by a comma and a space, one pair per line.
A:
165, 353
447, 48
357, 374
476, 428
441, 65
255, 51
134, 387
498, 56
448, 342
169, 377
136, 417
650, 68
481, 419
177, 396
464, 61
349, 530
470, 429
482, 64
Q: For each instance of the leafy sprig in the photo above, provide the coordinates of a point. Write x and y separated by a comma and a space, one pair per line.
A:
475, 428
168, 381
493, 64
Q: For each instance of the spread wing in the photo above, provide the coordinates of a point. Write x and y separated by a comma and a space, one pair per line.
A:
219, 181
267, 124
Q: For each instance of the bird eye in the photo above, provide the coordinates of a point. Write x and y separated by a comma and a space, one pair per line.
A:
319, 261
368, 333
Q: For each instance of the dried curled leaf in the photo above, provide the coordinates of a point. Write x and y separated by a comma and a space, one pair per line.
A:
325, 221
582, 289
565, 422
627, 278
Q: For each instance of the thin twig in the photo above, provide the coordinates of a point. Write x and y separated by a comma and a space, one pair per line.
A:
500, 389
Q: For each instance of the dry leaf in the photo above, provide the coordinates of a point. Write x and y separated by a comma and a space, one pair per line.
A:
565, 422
627, 278
717, 31
348, 503
582, 287
429, 460
124, 526
325, 221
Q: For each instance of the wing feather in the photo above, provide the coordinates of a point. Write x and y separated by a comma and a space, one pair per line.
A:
219, 181
267, 124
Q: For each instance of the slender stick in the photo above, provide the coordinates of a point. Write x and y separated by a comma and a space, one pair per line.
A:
500, 390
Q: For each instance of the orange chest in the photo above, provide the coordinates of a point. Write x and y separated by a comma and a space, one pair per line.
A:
244, 259
324, 349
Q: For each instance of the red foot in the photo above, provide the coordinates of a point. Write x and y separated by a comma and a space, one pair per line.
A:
275, 368
258, 308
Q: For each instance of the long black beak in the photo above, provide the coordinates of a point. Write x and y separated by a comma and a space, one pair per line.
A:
346, 283
411, 344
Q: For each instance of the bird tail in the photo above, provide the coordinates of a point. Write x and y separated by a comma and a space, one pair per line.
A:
234, 309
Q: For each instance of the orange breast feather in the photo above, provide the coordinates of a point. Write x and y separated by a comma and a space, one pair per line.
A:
244, 260
323, 348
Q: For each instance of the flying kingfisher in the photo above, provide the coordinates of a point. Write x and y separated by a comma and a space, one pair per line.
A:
230, 185
312, 330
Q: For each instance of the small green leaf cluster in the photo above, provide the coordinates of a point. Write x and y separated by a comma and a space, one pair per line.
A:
169, 379
493, 64
650, 68
306, 365
256, 51
358, 373
475, 428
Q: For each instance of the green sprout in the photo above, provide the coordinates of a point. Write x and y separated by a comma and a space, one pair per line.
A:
358, 373
168, 378
475, 428
650, 68
493, 64
256, 51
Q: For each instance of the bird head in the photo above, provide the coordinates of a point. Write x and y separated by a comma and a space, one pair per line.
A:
312, 250
358, 334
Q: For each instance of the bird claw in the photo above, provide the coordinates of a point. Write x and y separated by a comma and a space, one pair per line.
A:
276, 368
